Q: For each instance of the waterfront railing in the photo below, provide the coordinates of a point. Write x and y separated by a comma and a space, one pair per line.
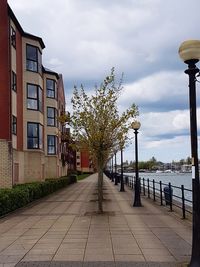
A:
166, 194
174, 197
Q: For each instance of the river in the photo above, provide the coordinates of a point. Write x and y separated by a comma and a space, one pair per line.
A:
176, 179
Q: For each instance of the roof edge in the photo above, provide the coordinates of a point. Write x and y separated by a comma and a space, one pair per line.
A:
23, 33
48, 71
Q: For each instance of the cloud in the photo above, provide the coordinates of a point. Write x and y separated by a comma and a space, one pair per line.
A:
84, 39
138, 37
164, 90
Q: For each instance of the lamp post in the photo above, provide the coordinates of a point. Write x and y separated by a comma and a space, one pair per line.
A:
122, 173
189, 52
112, 178
137, 200
116, 178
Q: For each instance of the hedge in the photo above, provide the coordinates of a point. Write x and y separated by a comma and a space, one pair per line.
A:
21, 195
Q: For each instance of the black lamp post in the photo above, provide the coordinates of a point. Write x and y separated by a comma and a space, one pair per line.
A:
112, 176
122, 172
189, 52
116, 178
137, 200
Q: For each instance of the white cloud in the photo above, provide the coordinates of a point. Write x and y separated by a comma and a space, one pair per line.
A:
84, 39
181, 121
92, 36
164, 123
159, 86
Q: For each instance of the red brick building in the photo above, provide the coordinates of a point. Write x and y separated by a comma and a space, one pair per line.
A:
31, 99
84, 161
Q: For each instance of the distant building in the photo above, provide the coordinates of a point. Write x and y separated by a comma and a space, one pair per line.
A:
186, 168
31, 99
84, 161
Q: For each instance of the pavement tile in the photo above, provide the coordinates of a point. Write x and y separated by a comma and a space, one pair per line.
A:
99, 245
127, 250
159, 258
98, 257
74, 240
49, 241
38, 257
79, 236
73, 245
41, 251
150, 243
70, 251
129, 258
14, 252
67, 257
155, 251
10, 258
98, 251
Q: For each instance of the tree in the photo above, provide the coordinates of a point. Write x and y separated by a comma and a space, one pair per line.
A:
189, 160
97, 123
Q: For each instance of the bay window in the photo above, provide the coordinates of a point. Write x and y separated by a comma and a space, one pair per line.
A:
34, 135
33, 59
34, 97
51, 116
51, 88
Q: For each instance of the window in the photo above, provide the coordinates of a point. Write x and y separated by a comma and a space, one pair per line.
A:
51, 88
51, 144
14, 125
34, 97
51, 116
34, 135
14, 81
33, 59
13, 37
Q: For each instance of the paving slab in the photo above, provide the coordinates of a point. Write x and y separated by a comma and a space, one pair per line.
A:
65, 229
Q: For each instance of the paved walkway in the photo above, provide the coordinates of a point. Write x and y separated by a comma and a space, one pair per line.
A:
64, 230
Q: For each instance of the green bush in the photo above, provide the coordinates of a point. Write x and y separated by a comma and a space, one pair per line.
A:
21, 195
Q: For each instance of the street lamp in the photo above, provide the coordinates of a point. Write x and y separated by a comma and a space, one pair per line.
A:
112, 175
137, 201
122, 172
116, 178
189, 52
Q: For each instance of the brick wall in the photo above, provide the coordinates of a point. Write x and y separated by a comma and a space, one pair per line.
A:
5, 164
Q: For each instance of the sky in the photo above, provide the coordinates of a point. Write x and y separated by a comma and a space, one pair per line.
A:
85, 38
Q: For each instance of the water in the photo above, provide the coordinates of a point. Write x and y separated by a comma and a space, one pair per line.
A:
176, 179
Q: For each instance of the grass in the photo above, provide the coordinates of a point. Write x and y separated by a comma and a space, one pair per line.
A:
83, 176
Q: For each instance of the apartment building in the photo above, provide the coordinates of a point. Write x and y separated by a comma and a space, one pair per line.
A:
84, 161
31, 99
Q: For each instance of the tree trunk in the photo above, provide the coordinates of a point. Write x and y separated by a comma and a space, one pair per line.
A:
100, 185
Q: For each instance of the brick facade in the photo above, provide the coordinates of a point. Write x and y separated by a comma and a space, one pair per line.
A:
5, 164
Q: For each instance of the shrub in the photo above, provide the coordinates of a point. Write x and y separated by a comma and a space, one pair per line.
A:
21, 195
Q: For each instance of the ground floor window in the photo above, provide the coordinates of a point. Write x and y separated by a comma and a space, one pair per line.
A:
51, 144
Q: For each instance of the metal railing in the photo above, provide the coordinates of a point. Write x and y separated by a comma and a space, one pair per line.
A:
160, 191
166, 194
